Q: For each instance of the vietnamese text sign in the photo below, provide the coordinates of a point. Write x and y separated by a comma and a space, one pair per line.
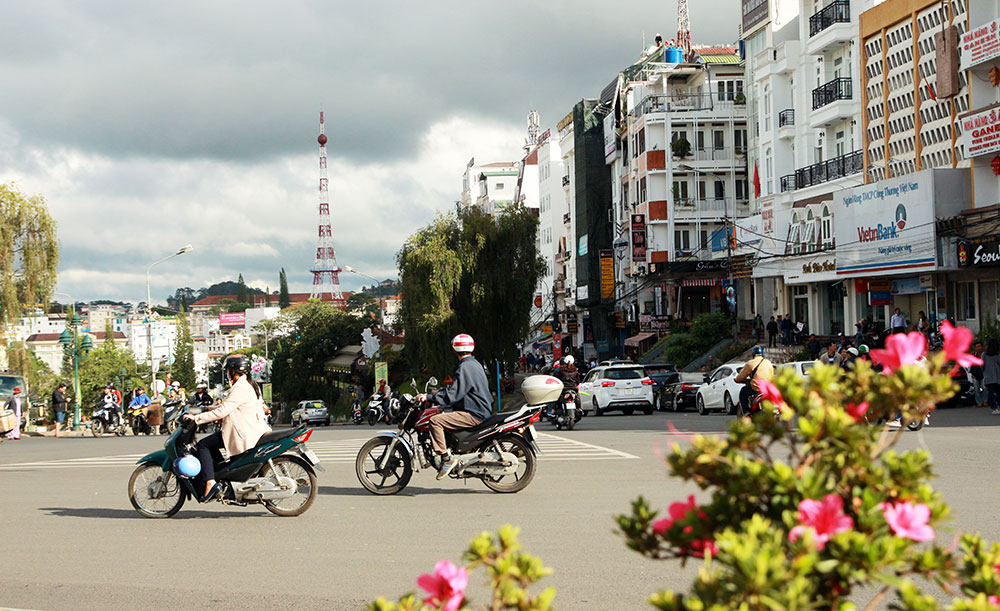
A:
749, 230
607, 274
638, 237
981, 133
232, 319
979, 252
981, 44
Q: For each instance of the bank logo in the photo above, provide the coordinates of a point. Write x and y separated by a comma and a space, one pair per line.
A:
900, 216
884, 232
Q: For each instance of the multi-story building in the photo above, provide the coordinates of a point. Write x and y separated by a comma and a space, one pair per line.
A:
675, 138
98, 316
490, 186
163, 331
47, 348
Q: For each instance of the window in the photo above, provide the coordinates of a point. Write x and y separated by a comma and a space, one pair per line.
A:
730, 90
741, 190
499, 186
722, 91
641, 140
700, 137
720, 190
703, 240
701, 190
718, 139
740, 140
682, 240
677, 135
827, 228
642, 190
965, 300
680, 191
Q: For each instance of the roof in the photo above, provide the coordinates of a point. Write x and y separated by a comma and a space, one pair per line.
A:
54, 337
730, 58
716, 50
499, 164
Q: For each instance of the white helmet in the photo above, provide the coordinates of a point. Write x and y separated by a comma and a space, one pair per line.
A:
568, 359
463, 342
176, 384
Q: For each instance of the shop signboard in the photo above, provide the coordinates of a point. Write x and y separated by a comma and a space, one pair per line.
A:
607, 274
581, 249
754, 12
981, 133
767, 215
232, 319
888, 227
906, 286
638, 237
749, 230
609, 135
981, 44
658, 300
979, 252
556, 346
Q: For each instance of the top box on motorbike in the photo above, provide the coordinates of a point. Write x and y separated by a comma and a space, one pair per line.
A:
541, 389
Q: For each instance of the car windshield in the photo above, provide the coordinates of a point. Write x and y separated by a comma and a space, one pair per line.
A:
651, 369
7, 384
807, 366
692, 377
624, 373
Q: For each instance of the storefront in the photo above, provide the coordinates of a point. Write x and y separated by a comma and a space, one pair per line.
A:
975, 289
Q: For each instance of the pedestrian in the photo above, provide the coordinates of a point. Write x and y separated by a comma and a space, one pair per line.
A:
814, 347
859, 332
976, 373
786, 330
847, 356
898, 322
923, 325
758, 328
59, 406
524, 363
831, 357
991, 374
14, 404
772, 333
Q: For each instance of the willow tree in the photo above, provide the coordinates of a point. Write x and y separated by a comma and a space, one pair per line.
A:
29, 252
471, 273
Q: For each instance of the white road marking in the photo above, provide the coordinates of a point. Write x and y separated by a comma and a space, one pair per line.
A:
553, 447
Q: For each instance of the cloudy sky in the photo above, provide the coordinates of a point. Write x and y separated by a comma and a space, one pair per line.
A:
147, 126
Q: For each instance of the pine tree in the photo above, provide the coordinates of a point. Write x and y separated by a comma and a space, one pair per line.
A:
283, 299
241, 291
183, 367
267, 296
109, 333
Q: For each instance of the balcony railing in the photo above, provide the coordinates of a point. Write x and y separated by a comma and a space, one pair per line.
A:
566, 218
713, 154
787, 183
786, 117
837, 89
677, 102
828, 170
835, 12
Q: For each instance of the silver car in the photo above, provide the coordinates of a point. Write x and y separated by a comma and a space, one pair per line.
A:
312, 411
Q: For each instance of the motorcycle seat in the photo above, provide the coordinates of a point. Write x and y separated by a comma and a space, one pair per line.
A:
488, 423
276, 436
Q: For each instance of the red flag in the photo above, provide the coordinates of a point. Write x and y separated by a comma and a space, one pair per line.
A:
930, 91
756, 181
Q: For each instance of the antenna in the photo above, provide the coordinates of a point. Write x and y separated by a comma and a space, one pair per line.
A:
533, 129
326, 274
684, 29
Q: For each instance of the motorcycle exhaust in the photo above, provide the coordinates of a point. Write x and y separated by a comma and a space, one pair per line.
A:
265, 488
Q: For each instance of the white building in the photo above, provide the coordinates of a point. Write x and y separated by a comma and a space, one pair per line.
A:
220, 342
47, 348
164, 339
491, 185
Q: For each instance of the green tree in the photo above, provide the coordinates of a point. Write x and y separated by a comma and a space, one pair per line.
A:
283, 299
41, 379
109, 332
183, 368
468, 272
241, 290
363, 304
104, 364
29, 253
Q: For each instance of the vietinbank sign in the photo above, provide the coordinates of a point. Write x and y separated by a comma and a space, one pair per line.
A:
888, 227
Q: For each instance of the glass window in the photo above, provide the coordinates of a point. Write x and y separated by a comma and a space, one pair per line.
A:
682, 239
965, 300
624, 373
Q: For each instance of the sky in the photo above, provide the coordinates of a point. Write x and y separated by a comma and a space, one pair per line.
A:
149, 126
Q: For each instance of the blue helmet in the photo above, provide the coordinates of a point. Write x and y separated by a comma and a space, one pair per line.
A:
187, 466
757, 351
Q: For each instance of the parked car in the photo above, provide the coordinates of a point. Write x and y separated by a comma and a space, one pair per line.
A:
680, 391
659, 373
801, 367
617, 387
7, 383
312, 411
720, 392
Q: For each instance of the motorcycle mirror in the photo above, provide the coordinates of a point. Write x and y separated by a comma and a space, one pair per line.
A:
432, 381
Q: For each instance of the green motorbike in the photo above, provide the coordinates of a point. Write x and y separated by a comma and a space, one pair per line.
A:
279, 473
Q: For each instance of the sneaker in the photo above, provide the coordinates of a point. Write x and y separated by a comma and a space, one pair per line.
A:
447, 465
995, 412
895, 424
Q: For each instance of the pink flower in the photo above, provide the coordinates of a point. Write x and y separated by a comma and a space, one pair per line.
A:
770, 392
994, 600
446, 586
857, 411
956, 341
700, 546
677, 511
900, 349
909, 521
825, 517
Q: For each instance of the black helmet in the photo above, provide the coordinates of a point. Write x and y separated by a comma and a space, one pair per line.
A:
109, 385
237, 363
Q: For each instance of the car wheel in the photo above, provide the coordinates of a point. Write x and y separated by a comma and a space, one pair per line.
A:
701, 406
728, 403
628, 411
648, 411
678, 403
597, 409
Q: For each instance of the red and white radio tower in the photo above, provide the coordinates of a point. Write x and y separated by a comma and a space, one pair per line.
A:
326, 274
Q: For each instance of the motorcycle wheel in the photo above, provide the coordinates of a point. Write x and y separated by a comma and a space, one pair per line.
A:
135, 426
372, 417
915, 425
172, 426
305, 483
526, 460
398, 469
570, 420
167, 503
96, 428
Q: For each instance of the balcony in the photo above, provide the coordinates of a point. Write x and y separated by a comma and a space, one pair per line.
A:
833, 102
830, 28
787, 183
714, 154
828, 170
680, 102
786, 118
835, 12
566, 218
837, 89
709, 209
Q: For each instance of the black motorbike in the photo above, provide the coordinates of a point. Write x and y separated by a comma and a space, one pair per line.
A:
378, 409
172, 412
107, 418
357, 416
139, 420
564, 413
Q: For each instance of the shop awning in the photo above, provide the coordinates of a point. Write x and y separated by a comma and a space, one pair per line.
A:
344, 358
542, 339
700, 282
638, 338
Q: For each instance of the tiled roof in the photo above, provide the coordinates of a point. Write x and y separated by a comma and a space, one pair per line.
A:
50, 337
721, 59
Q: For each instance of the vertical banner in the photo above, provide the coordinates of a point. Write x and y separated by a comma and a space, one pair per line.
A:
556, 346
607, 274
658, 300
381, 372
638, 237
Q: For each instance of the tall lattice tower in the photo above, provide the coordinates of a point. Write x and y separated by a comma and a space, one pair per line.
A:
326, 274
684, 29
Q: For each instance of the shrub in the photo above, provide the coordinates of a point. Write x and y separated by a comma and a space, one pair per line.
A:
809, 503
681, 148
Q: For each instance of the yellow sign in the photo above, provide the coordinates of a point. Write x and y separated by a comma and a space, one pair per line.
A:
607, 274
381, 372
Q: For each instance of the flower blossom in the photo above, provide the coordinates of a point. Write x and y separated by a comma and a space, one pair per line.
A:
994, 600
446, 586
677, 511
956, 341
909, 521
700, 546
770, 392
857, 411
900, 349
826, 518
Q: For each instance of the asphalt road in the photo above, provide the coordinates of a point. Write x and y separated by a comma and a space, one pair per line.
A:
73, 541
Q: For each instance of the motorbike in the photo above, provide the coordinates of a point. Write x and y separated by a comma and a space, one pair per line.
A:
357, 417
106, 419
377, 409
172, 412
139, 421
563, 413
501, 450
279, 473
208, 427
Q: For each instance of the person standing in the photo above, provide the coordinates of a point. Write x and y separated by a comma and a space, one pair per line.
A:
59, 406
923, 325
14, 404
772, 333
814, 347
786, 330
991, 374
898, 322
976, 373
831, 357
758, 328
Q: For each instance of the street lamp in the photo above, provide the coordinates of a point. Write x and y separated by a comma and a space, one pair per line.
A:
730, 233
381, 308
149, 315
76, 350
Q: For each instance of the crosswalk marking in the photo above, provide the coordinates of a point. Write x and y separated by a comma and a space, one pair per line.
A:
553, 447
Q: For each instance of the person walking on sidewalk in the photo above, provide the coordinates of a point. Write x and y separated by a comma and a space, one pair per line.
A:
468, 396
786, 330
59, 406
976, 373
991, 374
14, 404
772, 333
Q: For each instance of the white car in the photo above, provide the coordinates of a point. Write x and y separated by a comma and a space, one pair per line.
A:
617, 387
720, 392
801, 367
